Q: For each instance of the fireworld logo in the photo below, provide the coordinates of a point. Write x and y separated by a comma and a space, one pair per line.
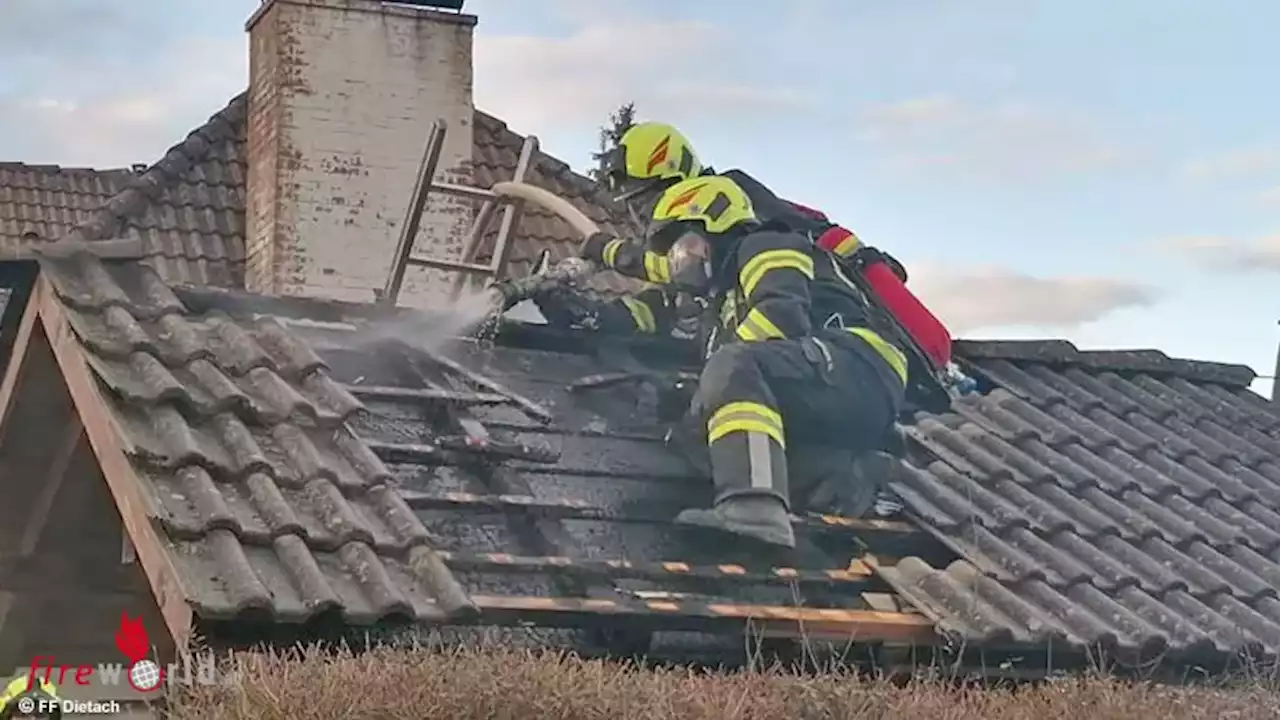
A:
140, 673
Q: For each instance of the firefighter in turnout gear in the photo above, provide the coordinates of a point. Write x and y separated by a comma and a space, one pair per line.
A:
652, 156
789, 357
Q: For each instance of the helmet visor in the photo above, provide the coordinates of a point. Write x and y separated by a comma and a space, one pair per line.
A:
690, 261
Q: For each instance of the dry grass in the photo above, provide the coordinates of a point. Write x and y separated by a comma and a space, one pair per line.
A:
390, 684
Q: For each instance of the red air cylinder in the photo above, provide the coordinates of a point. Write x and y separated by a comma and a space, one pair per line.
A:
928, 332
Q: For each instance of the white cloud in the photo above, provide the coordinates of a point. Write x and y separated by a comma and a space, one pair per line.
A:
73, 108
104, 127
986, 297
685, 68
1230, 255
1010, 142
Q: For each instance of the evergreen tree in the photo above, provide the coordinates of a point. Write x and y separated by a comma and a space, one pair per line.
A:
620, 121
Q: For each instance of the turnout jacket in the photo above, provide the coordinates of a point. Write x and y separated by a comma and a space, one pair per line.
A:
649, 262
773, 285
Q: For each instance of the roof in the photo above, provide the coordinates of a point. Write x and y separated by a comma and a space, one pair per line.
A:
293, 469
1117, 498
49, 200
297, 468
187, 209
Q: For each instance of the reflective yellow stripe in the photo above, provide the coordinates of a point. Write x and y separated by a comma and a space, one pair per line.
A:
892, 355
642, 314
657, 267
755, 326
610, 254
762, 263
746, 406
847, 246
745, 417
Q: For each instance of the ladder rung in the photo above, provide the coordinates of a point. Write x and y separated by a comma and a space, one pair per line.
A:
452, 265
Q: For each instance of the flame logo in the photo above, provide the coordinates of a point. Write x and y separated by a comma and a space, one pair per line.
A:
131, 638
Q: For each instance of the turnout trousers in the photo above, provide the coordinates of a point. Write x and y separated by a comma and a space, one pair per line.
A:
831, 393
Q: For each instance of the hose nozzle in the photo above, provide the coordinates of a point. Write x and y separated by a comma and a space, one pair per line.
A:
544, 277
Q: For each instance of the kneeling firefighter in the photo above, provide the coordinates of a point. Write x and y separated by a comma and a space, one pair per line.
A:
790, 359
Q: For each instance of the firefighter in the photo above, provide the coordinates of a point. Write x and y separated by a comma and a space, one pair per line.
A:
25, 697
789, 355
651, 156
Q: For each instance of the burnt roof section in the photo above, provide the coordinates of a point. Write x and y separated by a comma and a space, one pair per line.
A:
300, 470
40, 203
1101, 498
188, 208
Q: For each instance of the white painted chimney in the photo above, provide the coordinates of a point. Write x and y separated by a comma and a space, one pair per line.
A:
342, 95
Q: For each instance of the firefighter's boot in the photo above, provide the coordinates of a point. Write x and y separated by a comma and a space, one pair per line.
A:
749, 470
760, 517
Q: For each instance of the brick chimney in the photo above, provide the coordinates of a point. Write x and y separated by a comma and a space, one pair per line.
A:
342, 95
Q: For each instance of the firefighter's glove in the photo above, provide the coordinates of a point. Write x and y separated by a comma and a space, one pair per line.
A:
593, 248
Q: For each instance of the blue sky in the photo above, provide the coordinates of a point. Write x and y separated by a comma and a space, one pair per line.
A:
1104, 172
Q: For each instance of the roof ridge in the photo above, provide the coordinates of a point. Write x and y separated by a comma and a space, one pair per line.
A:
177, 160
1063, 352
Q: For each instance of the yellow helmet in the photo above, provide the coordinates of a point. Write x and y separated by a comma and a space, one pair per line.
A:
716, 203
649, 153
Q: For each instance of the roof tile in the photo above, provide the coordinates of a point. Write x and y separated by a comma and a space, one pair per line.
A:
1080, 478
50, 201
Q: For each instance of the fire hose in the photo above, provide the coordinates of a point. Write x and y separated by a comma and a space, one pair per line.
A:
565, 271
